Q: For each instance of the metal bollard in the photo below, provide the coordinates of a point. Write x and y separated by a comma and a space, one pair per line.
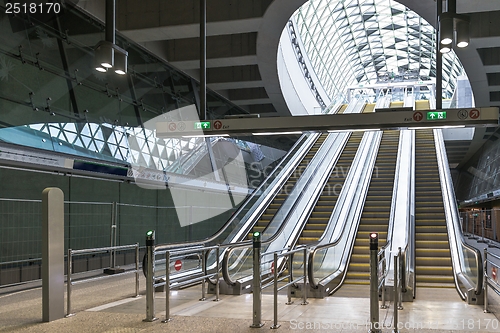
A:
204, 272
69, 283
485, 281
217, 253
304, 292
150, 290
167, 288
275, 273
396, 293
374, 311
400, 275
257, 291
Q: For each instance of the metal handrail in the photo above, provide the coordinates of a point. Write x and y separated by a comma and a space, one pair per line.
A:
489, 282
203, 242
457, 241
276, 235
69, 263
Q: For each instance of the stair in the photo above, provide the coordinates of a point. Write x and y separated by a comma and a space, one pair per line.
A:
433, 260
320, 215
375, 216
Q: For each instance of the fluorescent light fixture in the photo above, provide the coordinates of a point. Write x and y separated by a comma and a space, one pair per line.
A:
277, 133
204, 135
437, 127
355, 130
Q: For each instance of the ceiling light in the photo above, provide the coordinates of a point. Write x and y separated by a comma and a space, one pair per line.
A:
104, 54
276, 133
444, 48
120, 61
462, 33
446, 28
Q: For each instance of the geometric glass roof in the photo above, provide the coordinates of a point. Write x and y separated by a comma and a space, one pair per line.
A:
351, 42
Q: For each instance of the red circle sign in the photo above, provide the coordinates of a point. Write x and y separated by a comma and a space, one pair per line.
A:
172, 127
178, 265
417, 116
218, 124
272, 267
474, 114
494, 273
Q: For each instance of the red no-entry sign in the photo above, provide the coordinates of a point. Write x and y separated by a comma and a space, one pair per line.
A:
178, 265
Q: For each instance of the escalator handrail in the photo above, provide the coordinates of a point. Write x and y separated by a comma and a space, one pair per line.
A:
306, 139
456, 240
340, 236
248, 244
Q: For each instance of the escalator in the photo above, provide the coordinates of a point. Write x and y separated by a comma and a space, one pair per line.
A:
324, 206
433, 259
376, 210
286, 189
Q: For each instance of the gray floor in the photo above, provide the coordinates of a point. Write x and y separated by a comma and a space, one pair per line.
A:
109, 306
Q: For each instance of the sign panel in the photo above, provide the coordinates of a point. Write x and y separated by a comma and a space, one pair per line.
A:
436, 115
202, 125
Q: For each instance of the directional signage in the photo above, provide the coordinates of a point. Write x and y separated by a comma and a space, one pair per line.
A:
401, 119
203, 125
436, 115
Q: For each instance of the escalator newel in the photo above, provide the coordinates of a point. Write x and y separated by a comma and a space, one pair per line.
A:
257, 291
374, 312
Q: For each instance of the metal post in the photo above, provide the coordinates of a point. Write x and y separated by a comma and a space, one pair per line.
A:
217, 253
257, 283
204, 272
150, 289
203, 60
289, 289
396, 294
400, 275
167, 288
482, 229
485, 281
374, 311
136, 269
69, 266
439, 60
304, 292
112, 259
275, 264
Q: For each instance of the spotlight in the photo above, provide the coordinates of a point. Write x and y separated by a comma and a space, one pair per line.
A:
444, 48
104, 54
462, 33
121, 61
446, 29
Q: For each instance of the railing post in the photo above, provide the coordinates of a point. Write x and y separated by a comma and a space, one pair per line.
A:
217, 253
167, 288
400, 275
69, 266
374, 311
485, 281
204, 272
482, 240
150, 262
396, 293
257, 291
289, 289
136, 269
275, 264
304, 292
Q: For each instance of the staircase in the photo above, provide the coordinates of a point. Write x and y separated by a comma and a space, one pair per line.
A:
433, 261
375, 216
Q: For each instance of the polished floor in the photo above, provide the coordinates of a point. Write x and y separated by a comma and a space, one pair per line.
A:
109, 306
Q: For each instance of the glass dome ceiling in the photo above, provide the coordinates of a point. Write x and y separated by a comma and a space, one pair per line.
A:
351, 42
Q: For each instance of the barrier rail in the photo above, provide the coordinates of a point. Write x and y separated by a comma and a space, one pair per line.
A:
171, 282
111, 249
291, 281
488, 281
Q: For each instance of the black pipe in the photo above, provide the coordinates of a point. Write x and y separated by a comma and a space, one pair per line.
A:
110, 21
439, 60
203, 60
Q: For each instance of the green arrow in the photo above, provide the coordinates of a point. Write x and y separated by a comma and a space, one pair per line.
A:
432, 115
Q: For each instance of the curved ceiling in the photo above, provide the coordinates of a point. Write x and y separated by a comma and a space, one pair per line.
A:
364, 42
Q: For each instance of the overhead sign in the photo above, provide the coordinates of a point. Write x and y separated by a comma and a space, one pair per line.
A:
436, 115
374, 120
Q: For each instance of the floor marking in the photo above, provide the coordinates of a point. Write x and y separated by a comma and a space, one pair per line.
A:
113, 304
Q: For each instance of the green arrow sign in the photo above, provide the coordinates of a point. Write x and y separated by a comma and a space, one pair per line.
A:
436, 115
202, 125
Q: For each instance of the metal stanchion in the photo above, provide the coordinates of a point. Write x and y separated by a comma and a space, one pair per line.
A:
217, 253
150, 290
289, 289
396, 293
275, 264
400, 275
204, 272
137, 270
482, 240
167, 288
304, 291
374, 311
68, 283
257, 292
485, 281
